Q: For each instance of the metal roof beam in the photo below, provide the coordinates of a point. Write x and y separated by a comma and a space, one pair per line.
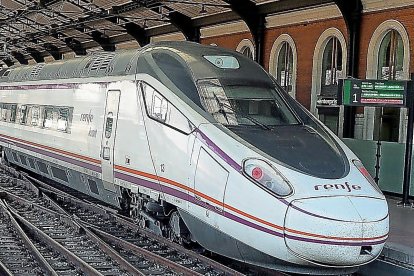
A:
53, 51
133, 29
37, 56
255, 21
186, 25
138, 33
181, 21
75, 45
103, 40
8, 62
20, 57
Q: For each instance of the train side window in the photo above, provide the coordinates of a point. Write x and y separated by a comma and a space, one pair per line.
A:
13, 112
108, 125
161, 110
47, 117
34, 113
3, 112
63, 119
23, 114
8, 112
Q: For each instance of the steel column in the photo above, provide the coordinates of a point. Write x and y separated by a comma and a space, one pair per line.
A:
351, 12
408, 144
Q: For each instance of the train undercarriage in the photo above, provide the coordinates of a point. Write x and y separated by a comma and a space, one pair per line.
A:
159, 217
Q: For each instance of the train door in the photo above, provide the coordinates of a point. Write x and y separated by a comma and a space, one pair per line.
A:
209, 183
170, 140
108, 138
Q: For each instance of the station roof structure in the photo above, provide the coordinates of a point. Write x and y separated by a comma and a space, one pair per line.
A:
35, 29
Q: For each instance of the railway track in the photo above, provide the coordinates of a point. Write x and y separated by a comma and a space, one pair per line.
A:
94, 238
123, 233
17, 254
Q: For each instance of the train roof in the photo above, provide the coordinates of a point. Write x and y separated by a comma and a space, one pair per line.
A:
99, 64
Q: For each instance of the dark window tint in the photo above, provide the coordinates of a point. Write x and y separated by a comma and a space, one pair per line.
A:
23, 114
178, 74
108, 125
161, 110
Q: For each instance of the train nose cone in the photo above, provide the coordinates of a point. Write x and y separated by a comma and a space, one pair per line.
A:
337, 231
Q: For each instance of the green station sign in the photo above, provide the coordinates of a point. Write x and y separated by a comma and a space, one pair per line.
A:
374, 93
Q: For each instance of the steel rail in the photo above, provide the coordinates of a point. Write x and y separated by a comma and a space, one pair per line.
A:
111, 215
27, 242
104, 247
147, 254
85, 267
108, 214
4, 270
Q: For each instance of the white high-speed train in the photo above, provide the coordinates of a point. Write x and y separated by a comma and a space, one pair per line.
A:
197, 143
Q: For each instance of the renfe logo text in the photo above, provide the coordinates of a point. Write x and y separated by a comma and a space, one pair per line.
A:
345, 186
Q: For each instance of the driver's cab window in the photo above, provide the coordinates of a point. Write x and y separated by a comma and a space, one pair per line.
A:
161, 110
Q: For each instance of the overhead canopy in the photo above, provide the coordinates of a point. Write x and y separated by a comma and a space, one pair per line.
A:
35, 29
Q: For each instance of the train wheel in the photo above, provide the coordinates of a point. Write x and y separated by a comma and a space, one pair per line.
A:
174, 228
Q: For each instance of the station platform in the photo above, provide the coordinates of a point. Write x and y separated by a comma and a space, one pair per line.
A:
397, 256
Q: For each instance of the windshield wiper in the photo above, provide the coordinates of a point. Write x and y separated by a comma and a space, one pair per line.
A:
256, 122
221, 107
253, 120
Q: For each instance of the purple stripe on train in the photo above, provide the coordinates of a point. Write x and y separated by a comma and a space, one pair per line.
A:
40, 86
358, 243
56, 156
192, 199
208, 142
47, 86
205, 140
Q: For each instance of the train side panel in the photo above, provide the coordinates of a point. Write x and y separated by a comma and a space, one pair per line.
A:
71, 158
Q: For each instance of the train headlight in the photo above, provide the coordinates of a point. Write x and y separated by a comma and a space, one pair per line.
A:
366, 174
267, 177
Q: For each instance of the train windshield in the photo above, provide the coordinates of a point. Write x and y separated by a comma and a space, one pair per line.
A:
273, 122
235, 105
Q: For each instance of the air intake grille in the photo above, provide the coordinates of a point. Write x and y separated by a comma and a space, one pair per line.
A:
36, 70
100, 61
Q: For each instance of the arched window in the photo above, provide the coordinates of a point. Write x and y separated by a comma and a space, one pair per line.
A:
331, 67
388, 59
246, 47
282, 64
329, 64
390, 67
247, 52
285, 67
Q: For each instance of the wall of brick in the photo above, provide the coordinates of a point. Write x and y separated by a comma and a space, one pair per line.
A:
227, 41
307, 35
370, 21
